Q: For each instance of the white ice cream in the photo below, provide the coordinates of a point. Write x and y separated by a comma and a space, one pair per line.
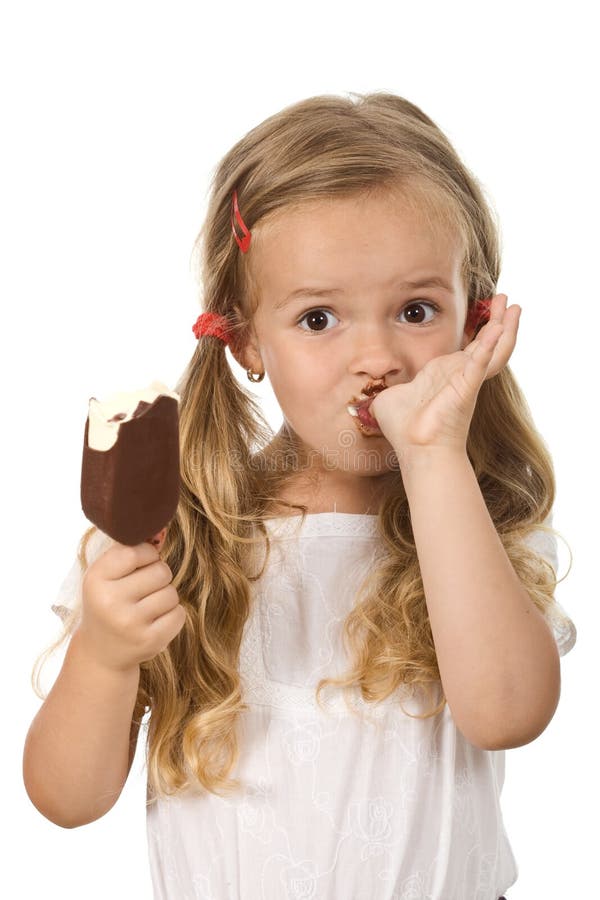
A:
103, 433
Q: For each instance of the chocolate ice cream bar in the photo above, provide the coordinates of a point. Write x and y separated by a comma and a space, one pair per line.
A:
130, 468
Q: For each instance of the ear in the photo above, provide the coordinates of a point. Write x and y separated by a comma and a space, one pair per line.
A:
245, 348
473, 323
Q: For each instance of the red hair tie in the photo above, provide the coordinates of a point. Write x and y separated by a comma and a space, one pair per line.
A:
212, 324
479, 314
243, 242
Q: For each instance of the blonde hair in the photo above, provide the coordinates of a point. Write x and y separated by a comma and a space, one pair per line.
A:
233, 466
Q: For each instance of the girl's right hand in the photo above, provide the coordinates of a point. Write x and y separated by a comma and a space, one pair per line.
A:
130, 610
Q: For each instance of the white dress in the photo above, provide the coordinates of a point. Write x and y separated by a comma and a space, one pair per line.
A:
374, 806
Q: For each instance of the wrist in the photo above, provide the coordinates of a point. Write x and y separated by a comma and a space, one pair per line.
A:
82, 652
418, 462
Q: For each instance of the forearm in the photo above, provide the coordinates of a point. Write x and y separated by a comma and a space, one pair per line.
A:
497, 657
76, 756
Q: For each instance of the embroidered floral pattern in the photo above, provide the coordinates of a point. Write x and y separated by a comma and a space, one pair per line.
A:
333, 804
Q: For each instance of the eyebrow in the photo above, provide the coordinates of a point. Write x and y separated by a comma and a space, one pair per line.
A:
301, 293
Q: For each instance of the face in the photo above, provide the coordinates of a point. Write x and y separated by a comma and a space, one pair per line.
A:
356, 320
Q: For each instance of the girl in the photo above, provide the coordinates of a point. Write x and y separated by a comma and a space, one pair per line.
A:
330, 693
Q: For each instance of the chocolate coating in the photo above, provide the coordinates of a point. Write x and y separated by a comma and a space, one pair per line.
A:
131, 491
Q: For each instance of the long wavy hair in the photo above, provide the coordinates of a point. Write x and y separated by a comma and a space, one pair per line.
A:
233, 467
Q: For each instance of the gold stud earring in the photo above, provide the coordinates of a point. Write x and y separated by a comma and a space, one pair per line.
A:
251, 375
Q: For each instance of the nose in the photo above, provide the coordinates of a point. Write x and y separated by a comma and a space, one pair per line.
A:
375, 356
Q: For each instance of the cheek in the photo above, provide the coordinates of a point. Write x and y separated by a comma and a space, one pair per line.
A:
444, 344
427, 351
298, 378
296, 393
424, 353
305, 402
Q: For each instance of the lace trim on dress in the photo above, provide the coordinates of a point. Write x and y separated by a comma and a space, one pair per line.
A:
326, 523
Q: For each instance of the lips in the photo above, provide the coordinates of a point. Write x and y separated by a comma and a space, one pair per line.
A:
365, 417
359, 407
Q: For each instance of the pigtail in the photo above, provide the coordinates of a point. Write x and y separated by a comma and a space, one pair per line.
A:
193, 687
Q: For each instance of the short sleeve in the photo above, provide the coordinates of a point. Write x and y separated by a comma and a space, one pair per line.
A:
68, 597
565, 633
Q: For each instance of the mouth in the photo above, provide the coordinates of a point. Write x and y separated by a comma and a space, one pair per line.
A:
359, 410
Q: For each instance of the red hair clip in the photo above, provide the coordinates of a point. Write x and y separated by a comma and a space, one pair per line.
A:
243, 242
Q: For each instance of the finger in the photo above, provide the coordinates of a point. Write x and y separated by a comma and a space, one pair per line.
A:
507, 318
157, 604
506, 343
121, 559
158, 539
498, 307
486, 340
149, 579
496, 313
480, 353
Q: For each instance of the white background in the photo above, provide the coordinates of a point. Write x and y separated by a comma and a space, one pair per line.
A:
114, 115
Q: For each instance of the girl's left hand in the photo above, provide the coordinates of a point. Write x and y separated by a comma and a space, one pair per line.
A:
435, 408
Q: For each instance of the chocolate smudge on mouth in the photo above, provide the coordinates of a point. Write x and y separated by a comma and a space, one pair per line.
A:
374, 387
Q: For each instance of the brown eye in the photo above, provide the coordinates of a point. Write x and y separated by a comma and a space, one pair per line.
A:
415, 315
317, 318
